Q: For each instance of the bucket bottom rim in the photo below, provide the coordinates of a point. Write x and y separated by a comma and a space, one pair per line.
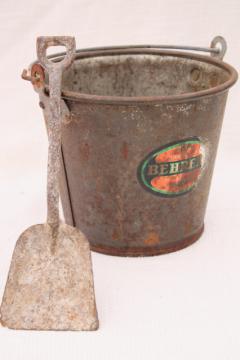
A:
151, 251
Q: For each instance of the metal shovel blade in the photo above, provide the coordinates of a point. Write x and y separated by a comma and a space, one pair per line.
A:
50, 284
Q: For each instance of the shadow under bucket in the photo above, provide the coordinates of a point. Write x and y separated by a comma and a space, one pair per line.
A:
139, 140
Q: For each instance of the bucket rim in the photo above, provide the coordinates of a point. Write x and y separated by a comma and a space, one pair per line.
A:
189, 96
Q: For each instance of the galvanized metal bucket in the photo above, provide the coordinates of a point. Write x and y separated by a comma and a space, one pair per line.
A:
141, 126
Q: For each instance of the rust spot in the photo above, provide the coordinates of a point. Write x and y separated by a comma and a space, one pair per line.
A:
124, 150
37, 76
85, 151
188, 227
72, 316
114, 235
152, 239
213, 79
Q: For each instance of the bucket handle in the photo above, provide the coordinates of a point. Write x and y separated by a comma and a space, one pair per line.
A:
217, 49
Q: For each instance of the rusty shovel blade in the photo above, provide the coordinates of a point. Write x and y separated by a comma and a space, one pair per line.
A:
49, 290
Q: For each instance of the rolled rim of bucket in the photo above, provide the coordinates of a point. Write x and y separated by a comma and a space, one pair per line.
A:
182, 97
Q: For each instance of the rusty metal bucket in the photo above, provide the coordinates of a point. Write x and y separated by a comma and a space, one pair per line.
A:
141, 126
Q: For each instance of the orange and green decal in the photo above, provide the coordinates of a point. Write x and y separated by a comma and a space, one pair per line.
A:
173, 169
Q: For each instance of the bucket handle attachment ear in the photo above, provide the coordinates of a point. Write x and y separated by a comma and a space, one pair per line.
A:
219, 43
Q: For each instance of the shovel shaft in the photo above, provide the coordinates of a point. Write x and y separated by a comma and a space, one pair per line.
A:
54, 122
54, 148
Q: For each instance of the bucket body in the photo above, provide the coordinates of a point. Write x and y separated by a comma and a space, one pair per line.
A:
139, 147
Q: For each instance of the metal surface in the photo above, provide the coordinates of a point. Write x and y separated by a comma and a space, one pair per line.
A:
50, 283
129, 109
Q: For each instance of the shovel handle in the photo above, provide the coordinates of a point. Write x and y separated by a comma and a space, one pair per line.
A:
54, 70
44, 42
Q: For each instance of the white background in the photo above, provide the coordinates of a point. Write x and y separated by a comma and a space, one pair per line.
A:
183, 305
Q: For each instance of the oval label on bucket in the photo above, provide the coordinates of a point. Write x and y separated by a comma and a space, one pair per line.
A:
173, 169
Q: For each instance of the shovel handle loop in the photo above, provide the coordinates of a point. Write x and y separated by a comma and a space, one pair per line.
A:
44, 42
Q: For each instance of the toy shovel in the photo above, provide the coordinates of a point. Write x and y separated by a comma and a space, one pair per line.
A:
50, 282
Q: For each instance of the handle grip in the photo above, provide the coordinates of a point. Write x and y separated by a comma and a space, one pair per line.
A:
44, 42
